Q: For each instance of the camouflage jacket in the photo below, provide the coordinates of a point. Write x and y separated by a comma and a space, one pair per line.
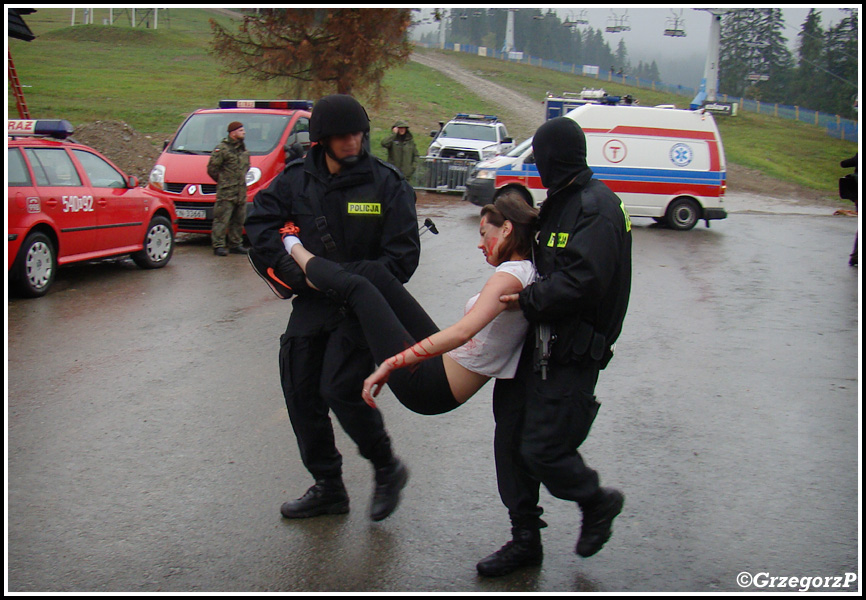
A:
402, 152
228, 166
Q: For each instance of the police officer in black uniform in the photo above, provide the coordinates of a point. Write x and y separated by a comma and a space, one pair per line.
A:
349, 206
575, 310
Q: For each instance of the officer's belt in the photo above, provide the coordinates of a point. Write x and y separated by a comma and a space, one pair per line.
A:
576, 342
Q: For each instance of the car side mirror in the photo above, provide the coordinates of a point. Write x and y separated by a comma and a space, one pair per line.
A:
529, 160
132, 181
294, 151
507, 140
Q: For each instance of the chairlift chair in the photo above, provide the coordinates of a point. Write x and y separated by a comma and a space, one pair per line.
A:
674, 26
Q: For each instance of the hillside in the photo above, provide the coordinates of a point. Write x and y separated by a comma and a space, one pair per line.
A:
523, 115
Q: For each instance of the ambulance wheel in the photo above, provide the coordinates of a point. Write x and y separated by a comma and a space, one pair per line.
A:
158, 245
34, 269
683, 214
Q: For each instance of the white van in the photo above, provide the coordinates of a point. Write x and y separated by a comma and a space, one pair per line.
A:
664, 163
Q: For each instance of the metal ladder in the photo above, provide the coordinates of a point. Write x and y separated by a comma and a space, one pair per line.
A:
23, 111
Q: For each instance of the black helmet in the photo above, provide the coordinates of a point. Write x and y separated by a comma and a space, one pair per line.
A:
337, 114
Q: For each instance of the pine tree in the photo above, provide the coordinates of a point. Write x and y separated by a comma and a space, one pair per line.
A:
653, 72
537, 33
621, 57
776, 59
810, 78
753, 47
842, 64
736, 52
317, 50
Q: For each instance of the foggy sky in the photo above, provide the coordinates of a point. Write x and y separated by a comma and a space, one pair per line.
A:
648, 24
681, 60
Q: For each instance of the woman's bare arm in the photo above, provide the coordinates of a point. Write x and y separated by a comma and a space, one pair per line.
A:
486, 308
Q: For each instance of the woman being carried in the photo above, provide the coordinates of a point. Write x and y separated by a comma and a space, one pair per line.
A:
428, 370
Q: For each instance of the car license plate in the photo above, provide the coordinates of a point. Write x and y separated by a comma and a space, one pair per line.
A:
191, 213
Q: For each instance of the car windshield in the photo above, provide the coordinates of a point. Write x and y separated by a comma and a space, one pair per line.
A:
521, 148
201, 133
470, 131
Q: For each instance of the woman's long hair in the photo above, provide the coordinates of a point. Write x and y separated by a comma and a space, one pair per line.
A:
511, 205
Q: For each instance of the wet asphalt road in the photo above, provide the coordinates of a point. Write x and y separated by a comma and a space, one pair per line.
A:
148, 447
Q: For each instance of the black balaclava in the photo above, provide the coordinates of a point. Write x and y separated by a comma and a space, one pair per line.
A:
559, 147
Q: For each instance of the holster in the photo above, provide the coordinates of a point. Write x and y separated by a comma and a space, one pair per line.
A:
543, 342
579, 341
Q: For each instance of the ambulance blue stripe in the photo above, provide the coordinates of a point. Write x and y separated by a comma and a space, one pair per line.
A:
631, 174
657, 175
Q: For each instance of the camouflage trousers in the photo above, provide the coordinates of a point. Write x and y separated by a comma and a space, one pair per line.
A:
228, 223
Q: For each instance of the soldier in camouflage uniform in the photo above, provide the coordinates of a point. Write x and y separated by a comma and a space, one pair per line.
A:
402, 152
228, 166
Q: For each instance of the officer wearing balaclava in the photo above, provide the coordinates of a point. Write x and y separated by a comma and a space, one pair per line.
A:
575, 310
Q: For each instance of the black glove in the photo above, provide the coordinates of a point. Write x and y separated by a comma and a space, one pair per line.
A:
286, 280
288, 271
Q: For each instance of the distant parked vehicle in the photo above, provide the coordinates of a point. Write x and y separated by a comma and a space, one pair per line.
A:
277, 131
663, 163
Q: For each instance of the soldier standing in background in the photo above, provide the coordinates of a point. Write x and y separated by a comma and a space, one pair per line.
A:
228, 166
402, 152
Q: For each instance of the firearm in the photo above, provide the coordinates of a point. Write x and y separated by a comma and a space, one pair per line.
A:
542, 348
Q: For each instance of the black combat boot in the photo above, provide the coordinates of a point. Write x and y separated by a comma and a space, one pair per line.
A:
524, 550
598, 516
390, 480
326, 497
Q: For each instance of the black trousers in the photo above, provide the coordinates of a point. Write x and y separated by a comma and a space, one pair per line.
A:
539, 426
323, 373
392, 321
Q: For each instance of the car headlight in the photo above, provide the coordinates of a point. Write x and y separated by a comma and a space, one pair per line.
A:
488, 153
157, 177
433, 150
253, 175
485, 173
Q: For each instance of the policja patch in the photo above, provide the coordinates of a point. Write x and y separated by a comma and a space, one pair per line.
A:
365, 208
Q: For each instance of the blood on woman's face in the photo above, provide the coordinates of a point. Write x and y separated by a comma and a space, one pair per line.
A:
491, 238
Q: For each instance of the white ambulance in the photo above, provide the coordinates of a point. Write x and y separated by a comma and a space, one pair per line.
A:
664, 163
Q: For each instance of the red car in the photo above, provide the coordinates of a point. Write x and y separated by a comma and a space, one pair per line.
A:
277, 131
67, 203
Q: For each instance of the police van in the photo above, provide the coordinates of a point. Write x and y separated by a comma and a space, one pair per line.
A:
275, 130
664, 163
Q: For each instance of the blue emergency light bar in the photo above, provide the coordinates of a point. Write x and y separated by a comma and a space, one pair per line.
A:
280, 104
57, 128
477, 117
